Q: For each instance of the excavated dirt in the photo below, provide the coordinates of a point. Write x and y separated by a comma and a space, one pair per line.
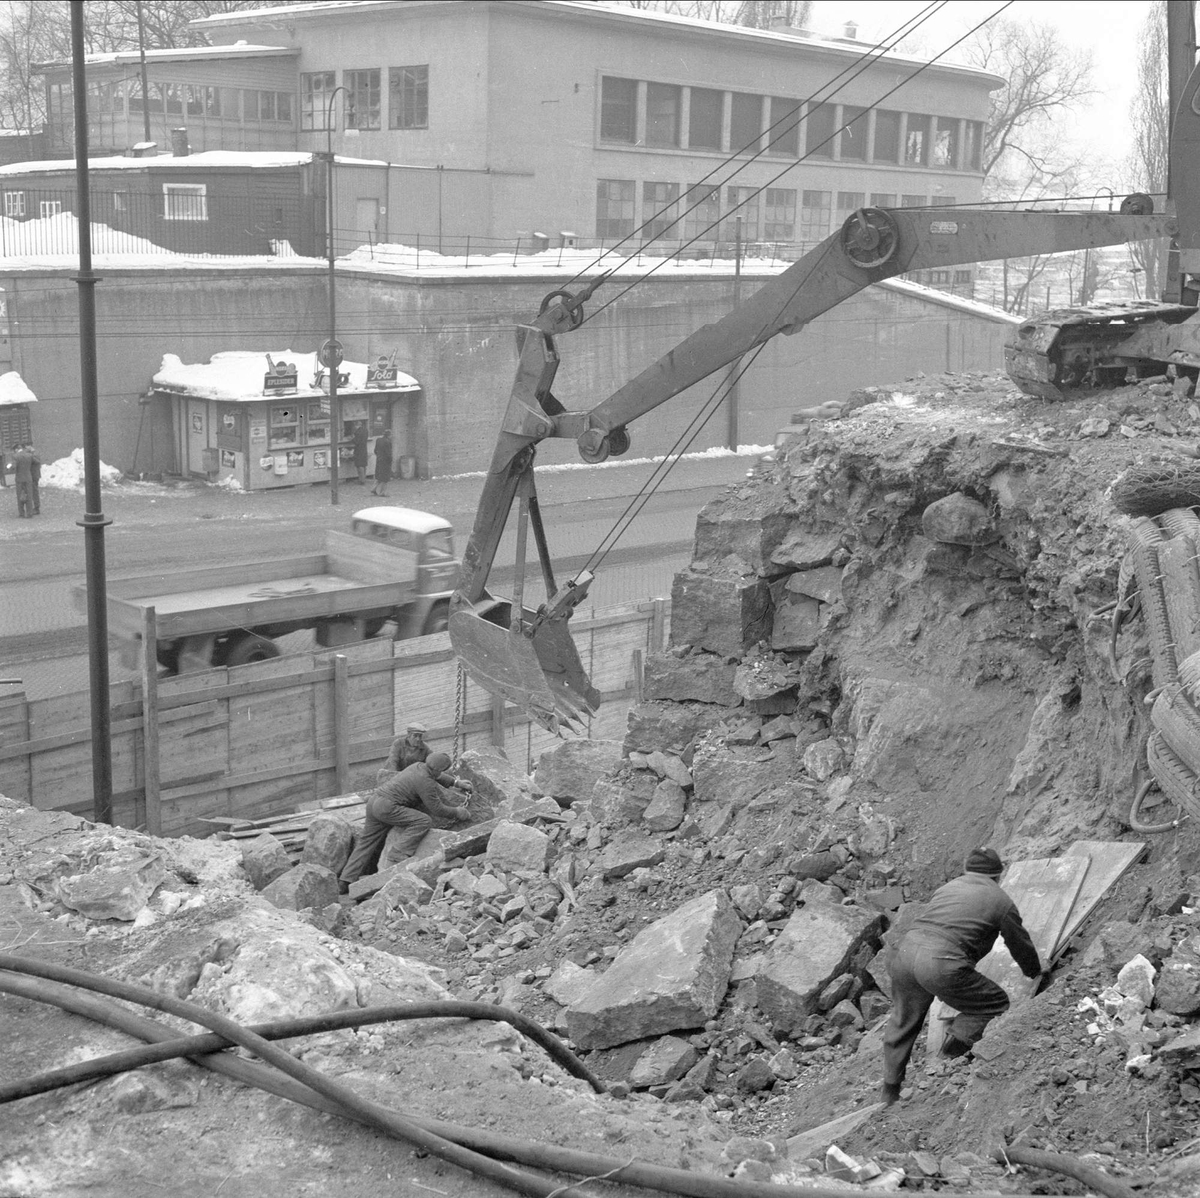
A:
957, 694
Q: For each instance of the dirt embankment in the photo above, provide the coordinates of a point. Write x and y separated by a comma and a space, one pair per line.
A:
892, 646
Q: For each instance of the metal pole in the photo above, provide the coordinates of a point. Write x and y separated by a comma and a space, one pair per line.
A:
335, 400
735, 369
142, 58
93, 522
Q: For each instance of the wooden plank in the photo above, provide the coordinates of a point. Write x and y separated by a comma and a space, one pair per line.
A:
341, 722
1109, 860
1044, 889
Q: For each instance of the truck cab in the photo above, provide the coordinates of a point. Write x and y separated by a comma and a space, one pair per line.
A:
428, 536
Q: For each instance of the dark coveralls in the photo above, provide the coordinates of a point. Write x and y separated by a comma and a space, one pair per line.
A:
404, 753
406, 800
937, 959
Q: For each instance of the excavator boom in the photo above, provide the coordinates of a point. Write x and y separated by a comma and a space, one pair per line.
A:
526, 655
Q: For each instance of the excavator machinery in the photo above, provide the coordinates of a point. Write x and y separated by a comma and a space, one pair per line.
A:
526, 655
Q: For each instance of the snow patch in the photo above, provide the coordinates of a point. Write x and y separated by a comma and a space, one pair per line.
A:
67, 473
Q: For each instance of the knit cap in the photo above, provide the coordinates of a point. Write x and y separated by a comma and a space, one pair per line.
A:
984, 861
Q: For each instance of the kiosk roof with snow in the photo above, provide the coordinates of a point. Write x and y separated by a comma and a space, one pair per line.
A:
13, 390
236, 376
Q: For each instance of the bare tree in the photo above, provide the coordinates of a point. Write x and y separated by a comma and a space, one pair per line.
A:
758, 14
1043, 78
31, 31
1150, 117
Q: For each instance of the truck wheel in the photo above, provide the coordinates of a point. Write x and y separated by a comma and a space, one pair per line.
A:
373, 627
249, 648
438, 620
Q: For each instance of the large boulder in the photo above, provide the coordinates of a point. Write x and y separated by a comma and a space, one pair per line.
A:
672, 975
116, 886
814, 947
494, 778
623, 800
666, 809
695, 677
958, 520
516, 848
745, 525
264, 859
725, 614
571, 769
328, 843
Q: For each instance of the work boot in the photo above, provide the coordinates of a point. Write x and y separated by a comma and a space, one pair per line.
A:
952, 1047
890, 1093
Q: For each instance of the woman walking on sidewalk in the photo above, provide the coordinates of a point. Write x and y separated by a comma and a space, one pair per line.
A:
383, 463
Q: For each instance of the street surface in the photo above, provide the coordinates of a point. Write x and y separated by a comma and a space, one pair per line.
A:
43, 637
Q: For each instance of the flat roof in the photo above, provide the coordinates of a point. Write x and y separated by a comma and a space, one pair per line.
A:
238, 49
597, 11
236, 376
205, 160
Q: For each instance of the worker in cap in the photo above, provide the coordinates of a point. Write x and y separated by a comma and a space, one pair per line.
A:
410, 800
407, 749
937, 956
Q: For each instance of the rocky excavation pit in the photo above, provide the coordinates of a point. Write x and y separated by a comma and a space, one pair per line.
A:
892, 645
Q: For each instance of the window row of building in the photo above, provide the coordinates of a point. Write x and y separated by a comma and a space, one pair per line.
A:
180, 201
362, 102
706, 212
636, 112
124, 98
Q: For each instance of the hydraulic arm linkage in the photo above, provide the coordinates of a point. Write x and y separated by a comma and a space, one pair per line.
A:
527, 656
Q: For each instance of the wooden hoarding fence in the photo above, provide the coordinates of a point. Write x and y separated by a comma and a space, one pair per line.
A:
254, 740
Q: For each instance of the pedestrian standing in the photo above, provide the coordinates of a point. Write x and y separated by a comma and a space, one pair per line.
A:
409, 800
23, 473
937, 957
361, 452
35, 477
383, 463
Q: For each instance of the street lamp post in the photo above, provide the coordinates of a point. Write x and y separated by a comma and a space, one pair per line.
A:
332, 356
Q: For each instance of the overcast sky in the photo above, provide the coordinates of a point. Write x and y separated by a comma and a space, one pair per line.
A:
1109, 28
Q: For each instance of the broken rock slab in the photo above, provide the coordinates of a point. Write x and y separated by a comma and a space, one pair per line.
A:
627, 851
665, 1061
303, 886
695, 677
734, 776
620, 801
723, 614
669, 727
571, 769
672, 975
815, 946
568, 983
328, 843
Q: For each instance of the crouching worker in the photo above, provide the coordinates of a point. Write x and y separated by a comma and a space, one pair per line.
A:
937, 957
410, 800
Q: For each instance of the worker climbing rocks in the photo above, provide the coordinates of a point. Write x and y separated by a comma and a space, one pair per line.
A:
937, 959
409, 800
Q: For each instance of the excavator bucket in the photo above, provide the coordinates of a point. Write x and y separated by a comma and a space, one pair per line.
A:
534, 665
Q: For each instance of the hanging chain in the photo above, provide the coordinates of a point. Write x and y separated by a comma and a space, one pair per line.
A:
460, 712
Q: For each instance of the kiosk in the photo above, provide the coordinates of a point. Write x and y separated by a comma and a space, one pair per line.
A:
263, 419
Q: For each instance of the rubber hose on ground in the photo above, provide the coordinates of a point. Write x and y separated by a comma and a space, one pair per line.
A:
284, 1029
473, 1162
1068, 1166
502, 1147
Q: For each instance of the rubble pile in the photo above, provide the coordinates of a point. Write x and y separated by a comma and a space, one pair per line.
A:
891, 646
